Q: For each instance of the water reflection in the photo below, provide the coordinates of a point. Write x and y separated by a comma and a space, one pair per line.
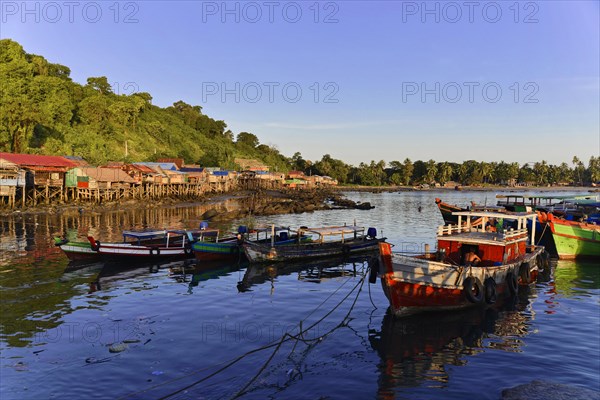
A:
574, 278
30, 235
418, 350
315, 271
193, 273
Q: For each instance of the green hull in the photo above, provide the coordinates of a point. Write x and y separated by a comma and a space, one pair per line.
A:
575, 241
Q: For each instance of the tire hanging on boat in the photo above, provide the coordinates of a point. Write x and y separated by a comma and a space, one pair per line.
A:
96, 245
540, 261
473, 289
489, 287
525, 273
155, 251
374, 268
187, 249
511, 282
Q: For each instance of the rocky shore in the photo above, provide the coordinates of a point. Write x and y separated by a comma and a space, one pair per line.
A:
263, 202
270, 202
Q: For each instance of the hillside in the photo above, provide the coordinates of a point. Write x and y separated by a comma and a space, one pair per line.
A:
43, 111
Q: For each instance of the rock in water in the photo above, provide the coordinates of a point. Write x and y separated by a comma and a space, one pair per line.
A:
543, 390
209, 214
117, 347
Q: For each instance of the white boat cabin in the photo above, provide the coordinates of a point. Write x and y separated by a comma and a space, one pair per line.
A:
496, 238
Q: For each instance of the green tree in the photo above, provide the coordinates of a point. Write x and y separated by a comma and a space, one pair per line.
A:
247, 139
100, 84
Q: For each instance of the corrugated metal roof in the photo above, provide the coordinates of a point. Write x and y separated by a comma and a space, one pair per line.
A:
143, 168
37, 160
107, 174
46, 169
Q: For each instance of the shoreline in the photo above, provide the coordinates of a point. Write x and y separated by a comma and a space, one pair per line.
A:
250, 202
390, 189
282, 201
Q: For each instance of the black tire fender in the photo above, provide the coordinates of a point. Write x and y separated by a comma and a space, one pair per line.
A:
473, 290
489, 288
374, 269
511, 282
96, 245
525, 273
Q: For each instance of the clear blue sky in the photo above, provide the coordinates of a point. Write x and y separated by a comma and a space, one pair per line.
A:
375, 58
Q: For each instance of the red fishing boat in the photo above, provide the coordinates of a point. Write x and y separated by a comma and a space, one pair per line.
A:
473, 265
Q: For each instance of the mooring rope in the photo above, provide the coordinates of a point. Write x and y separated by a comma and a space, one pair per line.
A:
277, 345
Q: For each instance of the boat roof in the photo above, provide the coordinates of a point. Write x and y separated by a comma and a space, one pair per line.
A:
335, 230
491, 214
268, 228
185, 231
546, 197
145, 234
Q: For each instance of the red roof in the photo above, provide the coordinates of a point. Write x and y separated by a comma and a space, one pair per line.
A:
35, 160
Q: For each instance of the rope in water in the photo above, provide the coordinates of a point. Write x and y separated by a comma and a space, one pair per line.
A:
276, 345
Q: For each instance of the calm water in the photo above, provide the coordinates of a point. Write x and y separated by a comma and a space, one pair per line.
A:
196, 331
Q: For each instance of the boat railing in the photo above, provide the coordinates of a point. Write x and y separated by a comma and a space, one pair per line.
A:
506, 234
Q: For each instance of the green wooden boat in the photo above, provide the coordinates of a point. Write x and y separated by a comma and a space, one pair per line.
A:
575, 240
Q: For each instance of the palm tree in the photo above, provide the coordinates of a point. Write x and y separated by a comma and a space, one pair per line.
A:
576, 163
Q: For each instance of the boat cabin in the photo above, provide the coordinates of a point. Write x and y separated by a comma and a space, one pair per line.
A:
496, 238
339, 233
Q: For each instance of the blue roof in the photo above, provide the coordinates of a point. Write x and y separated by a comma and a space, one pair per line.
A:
165, 166
188, 169
221, 173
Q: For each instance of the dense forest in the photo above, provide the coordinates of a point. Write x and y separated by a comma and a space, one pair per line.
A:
42, 111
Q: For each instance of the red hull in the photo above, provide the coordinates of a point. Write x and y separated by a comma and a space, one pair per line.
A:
422, 297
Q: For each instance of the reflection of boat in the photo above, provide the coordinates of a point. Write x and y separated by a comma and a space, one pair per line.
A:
575, 239
313, 271
329, 241
420, 348
111, 273
153, 245
194, 273
473, 266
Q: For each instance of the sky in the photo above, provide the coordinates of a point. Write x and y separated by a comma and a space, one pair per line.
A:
517, 81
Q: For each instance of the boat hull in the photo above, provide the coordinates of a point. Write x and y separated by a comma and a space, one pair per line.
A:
413, 285
77, 251
265, 253
207, 251
123, 251
575, 240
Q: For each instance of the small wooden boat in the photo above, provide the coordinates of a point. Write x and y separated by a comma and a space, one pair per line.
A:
575, 239
152, 245
230, 247
447, 211
329, 241
76, 251
472, 266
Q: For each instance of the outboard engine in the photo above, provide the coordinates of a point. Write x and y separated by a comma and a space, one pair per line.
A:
371, 233
203, 225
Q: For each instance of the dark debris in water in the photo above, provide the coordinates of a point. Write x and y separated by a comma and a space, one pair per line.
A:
544, 390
